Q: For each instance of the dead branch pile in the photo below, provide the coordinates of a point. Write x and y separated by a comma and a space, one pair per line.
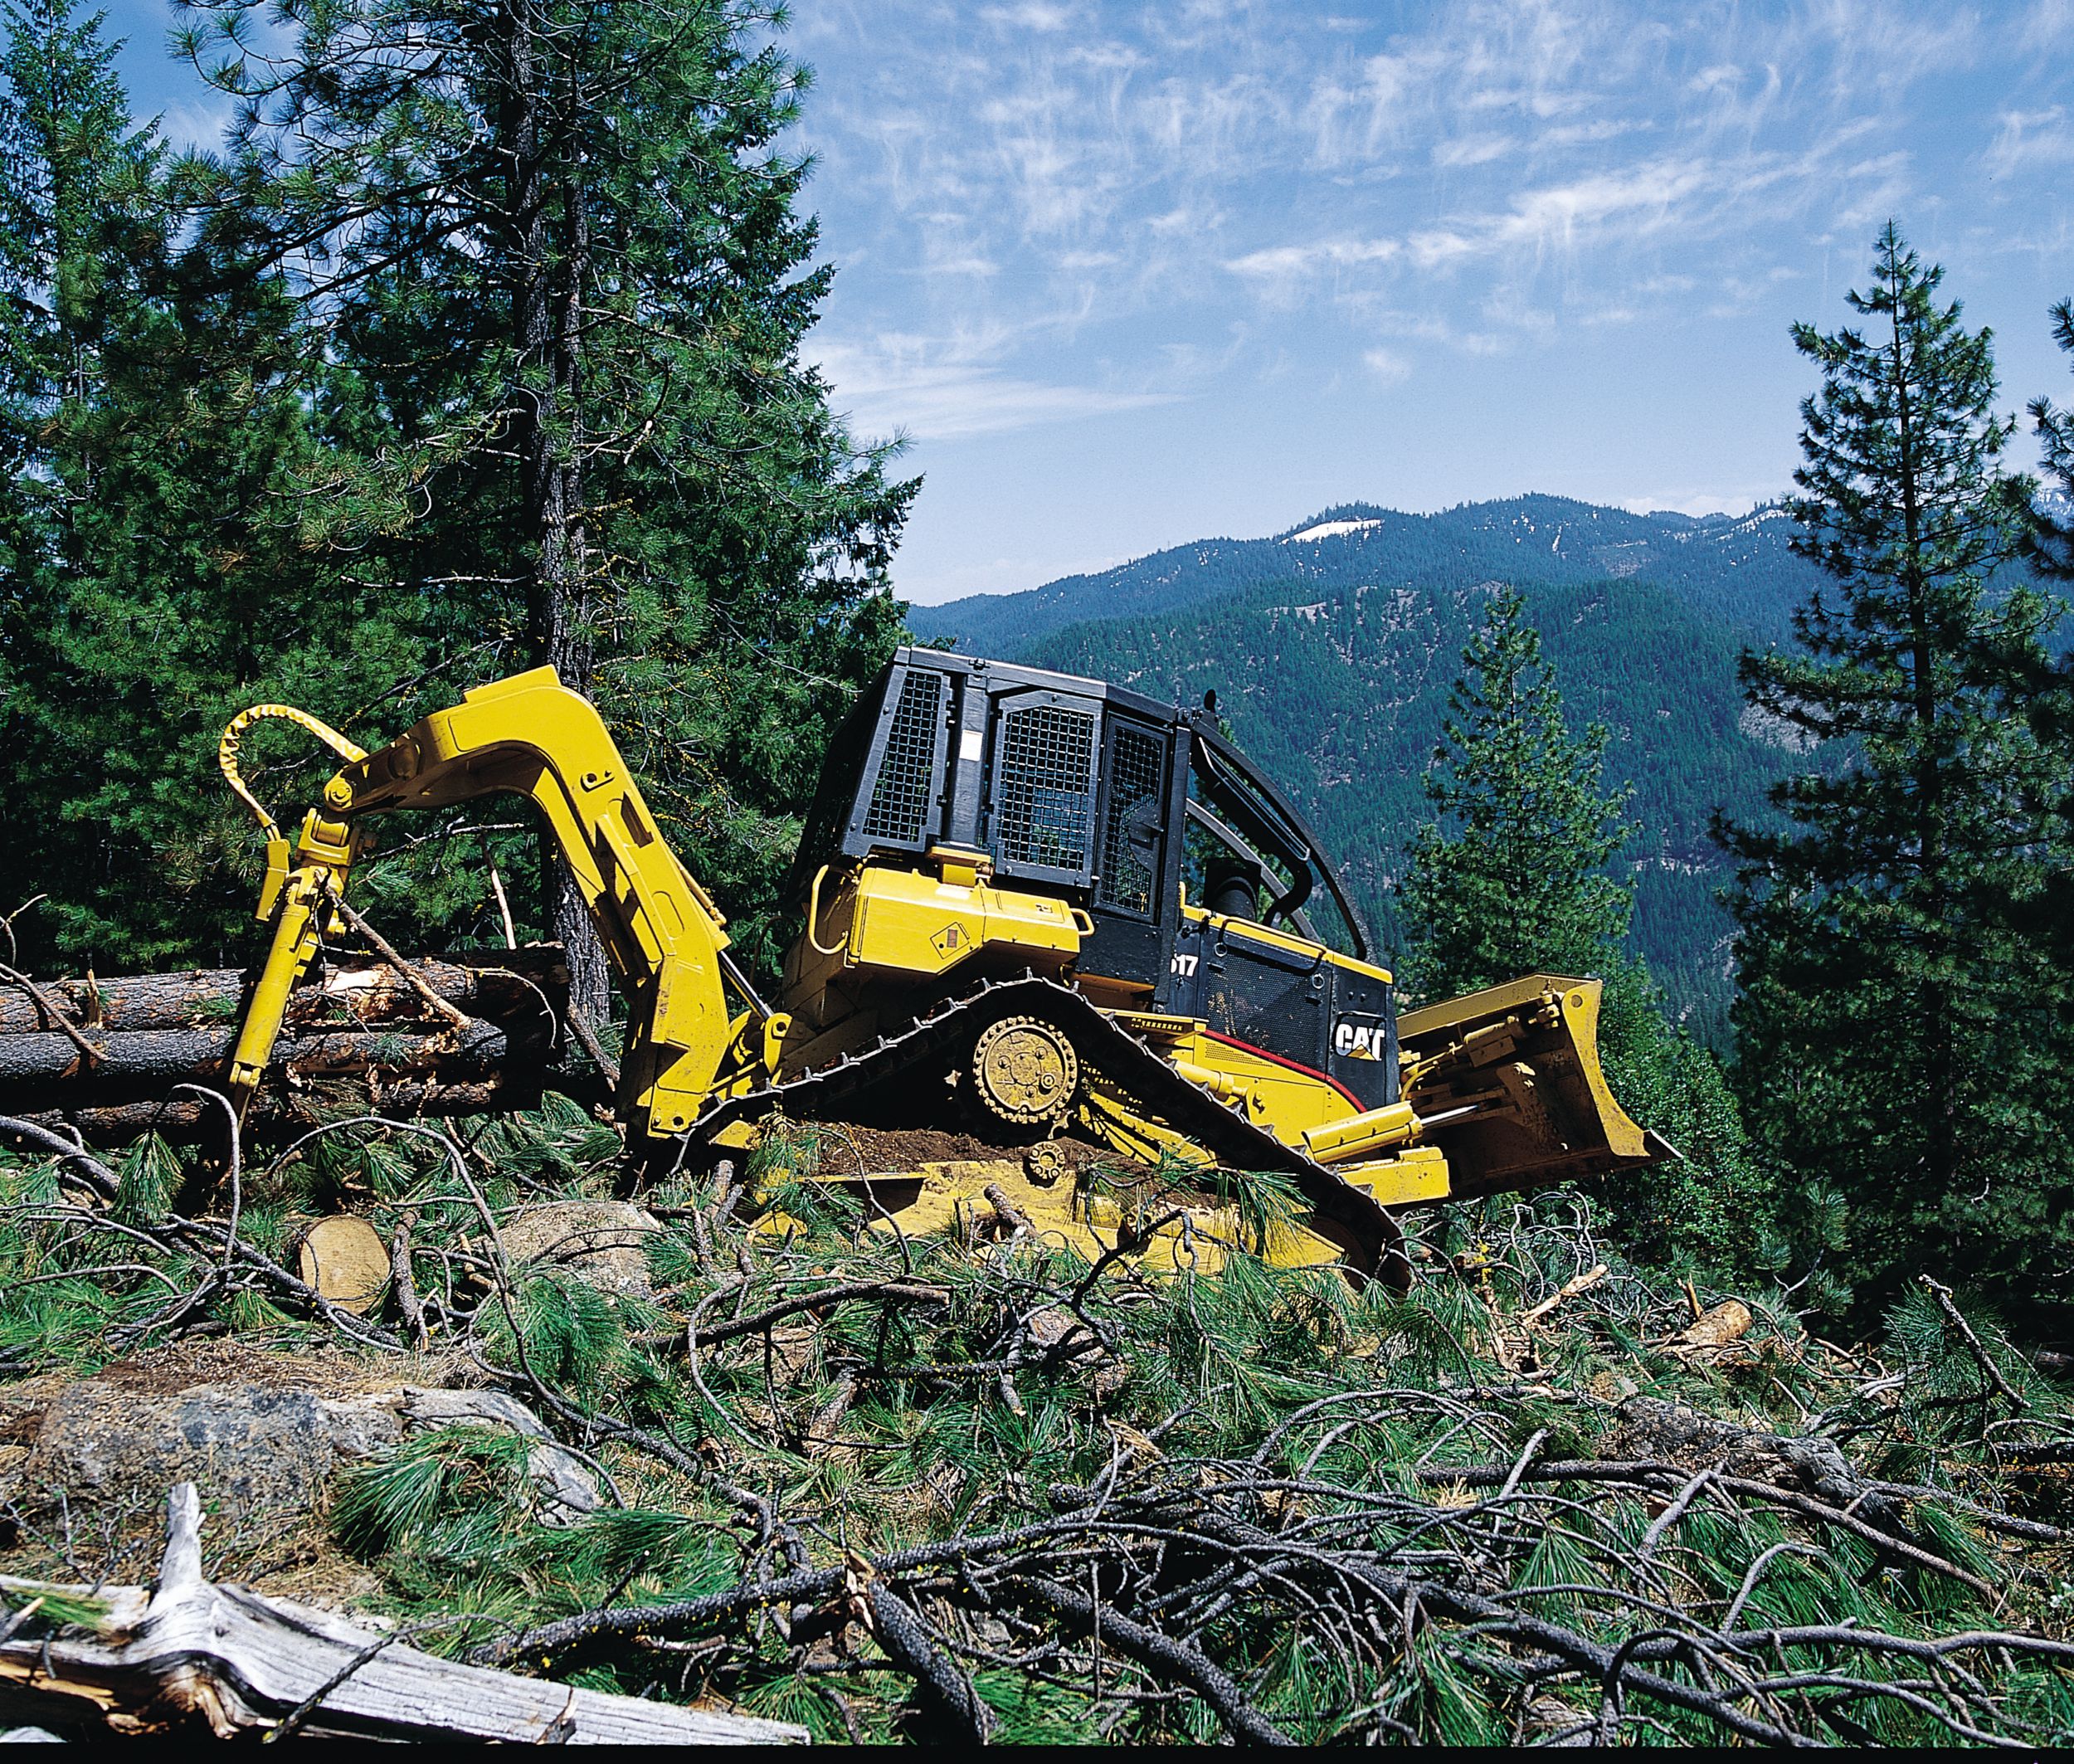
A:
983, 1488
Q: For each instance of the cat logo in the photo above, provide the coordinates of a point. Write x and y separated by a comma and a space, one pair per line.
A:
1355, 1040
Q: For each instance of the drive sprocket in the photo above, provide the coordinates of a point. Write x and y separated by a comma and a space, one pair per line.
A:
1025, 1071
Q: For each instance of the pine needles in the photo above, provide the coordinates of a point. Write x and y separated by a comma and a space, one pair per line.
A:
924, 1488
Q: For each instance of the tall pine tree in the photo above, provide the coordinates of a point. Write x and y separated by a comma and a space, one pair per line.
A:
2049, 701
1899, 1044
1511, 876
558, 243
152, 578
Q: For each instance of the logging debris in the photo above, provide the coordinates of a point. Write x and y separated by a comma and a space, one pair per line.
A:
886, 1488
188, 1654
469, 1034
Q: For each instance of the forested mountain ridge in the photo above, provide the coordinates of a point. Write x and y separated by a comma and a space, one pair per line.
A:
1331, 646
1337, 688
1738, 570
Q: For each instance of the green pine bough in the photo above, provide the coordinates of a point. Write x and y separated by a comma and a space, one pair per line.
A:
949, 1487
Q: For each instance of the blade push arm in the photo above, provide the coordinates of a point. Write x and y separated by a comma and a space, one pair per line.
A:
665, 940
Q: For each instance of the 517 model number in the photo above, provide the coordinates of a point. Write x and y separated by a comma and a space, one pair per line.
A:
1185, 966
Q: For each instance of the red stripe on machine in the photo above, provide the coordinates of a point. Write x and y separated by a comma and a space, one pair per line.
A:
1294, 1065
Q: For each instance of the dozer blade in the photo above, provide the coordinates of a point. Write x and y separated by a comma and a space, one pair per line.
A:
1508, 1082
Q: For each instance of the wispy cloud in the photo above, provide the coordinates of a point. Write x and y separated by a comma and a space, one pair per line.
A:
1387, 365
2027, 138
1091, 207
198, 123
934, 392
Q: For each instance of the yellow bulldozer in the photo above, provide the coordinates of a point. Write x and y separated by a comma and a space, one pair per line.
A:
1051, 910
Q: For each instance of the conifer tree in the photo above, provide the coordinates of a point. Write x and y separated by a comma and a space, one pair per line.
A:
1900, 1045
150, 584
1511, 876
557, 240
2049, 701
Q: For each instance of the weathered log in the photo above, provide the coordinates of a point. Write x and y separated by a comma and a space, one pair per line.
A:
276, 1112
356, 1035
191, 1650
506, 985
164, 1056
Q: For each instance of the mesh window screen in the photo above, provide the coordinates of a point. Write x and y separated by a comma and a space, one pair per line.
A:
1043, 791
906, 775
1131, 829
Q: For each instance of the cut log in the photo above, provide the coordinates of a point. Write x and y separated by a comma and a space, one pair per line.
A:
344, 1257
1729, 1321
503, 986
242, 1662
279, 1112
166, 1056
356, 1036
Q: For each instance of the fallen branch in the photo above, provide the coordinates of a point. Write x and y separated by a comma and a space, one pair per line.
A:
1583, 1282
241, 1661
1982, 1358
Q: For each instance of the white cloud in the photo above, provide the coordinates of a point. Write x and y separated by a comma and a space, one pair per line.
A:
1697, 503
1032, 15
2025, 138
197, 122
1477, 149
1282, 261
1386, 365
933, 391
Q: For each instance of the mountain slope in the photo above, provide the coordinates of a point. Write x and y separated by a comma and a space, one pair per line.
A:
1339, 696
1738, 570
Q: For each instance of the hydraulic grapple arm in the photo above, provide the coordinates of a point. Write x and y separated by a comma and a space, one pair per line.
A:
664, 936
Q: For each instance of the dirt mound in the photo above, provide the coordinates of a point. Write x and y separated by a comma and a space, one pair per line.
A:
871, 1151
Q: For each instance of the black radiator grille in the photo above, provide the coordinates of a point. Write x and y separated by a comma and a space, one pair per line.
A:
1131, 829
1043, 777
900, 794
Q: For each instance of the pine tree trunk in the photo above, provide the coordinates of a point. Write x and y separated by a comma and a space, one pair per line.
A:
559, 618
1933, 1006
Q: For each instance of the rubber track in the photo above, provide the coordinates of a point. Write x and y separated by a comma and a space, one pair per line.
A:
1106, 1047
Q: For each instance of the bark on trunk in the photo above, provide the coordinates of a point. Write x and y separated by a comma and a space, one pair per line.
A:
356, 1037
546, 314
500, 984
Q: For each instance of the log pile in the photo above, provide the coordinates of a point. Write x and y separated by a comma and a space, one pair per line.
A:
463, 1034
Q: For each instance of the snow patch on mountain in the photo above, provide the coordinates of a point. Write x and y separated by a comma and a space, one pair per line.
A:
1330, 529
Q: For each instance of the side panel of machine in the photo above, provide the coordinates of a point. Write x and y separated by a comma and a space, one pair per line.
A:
1297, 1005
899, 804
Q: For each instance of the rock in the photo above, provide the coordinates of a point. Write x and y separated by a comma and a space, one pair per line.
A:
271, 1441
246, 1445
601, 1242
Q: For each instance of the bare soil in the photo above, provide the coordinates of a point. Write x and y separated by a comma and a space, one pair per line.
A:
870, 1151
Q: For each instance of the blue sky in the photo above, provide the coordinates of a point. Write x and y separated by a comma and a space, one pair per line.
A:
1127, 277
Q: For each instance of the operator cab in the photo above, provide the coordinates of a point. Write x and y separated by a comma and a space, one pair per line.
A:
1200, 878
